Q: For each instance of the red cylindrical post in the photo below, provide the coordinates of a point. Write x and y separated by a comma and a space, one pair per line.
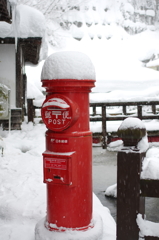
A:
69, 203
68, 155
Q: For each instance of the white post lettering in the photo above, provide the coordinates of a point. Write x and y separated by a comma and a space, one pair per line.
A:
54, 121
63, 121
49, 120
58, 121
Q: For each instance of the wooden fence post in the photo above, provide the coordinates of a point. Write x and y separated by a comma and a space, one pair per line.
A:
94, 110
139, 111
104, 130
124, 109
154, 109
30, 110
129, 202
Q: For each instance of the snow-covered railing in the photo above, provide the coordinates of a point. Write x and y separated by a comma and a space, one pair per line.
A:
152, 113
131, 189
144, 110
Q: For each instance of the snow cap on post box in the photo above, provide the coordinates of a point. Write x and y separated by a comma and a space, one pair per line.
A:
68, 65
66, 68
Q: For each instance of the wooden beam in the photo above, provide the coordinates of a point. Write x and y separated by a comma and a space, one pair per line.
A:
149, 188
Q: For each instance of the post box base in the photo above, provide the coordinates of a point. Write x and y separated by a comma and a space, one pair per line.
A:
95, 233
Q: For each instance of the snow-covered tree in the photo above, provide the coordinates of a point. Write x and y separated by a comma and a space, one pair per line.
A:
78, 17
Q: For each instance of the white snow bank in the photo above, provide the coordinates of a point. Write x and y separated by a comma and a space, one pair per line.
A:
109, 225
118, 61
22, 191
150, 165
115, 146
148, 94
111, 191
118, 64
33, 91
33, 74
153, 63
6, 30
150, 168
147, 228
94, 233
143, 144
68, 65
112, 126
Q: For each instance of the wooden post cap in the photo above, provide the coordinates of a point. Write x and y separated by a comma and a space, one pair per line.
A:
131, 131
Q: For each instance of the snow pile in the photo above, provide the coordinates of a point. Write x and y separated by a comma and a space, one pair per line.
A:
111, 191
5, 30
149, 94
33, 91
153, 63
150, 166
115, 146
143, 144
94, 233
147, 228
22, 191
112, 126
117, 64
68, 65
33, 77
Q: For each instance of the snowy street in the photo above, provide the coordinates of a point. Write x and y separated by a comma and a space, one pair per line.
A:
23, 194
22, 191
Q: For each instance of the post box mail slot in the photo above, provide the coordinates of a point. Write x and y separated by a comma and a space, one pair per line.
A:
59, 168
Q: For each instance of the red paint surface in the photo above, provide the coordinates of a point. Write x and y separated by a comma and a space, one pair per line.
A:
69, 191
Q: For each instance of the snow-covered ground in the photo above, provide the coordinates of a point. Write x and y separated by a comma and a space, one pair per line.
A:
22, 191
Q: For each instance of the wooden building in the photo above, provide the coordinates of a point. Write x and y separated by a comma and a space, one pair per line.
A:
14, 52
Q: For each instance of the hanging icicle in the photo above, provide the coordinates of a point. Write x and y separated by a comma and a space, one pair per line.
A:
14, 23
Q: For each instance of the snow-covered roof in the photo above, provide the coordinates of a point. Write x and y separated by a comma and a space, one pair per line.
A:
29, 22
129, 8
153, 63
150, 13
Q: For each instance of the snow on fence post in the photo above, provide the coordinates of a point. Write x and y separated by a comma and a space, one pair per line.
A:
129, 162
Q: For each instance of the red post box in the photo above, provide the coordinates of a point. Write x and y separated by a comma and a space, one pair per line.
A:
67, 161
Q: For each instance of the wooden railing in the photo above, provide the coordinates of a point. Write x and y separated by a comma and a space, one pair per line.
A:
131, 192
104, 117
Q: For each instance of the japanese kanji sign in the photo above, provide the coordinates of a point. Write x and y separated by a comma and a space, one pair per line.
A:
57, 114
